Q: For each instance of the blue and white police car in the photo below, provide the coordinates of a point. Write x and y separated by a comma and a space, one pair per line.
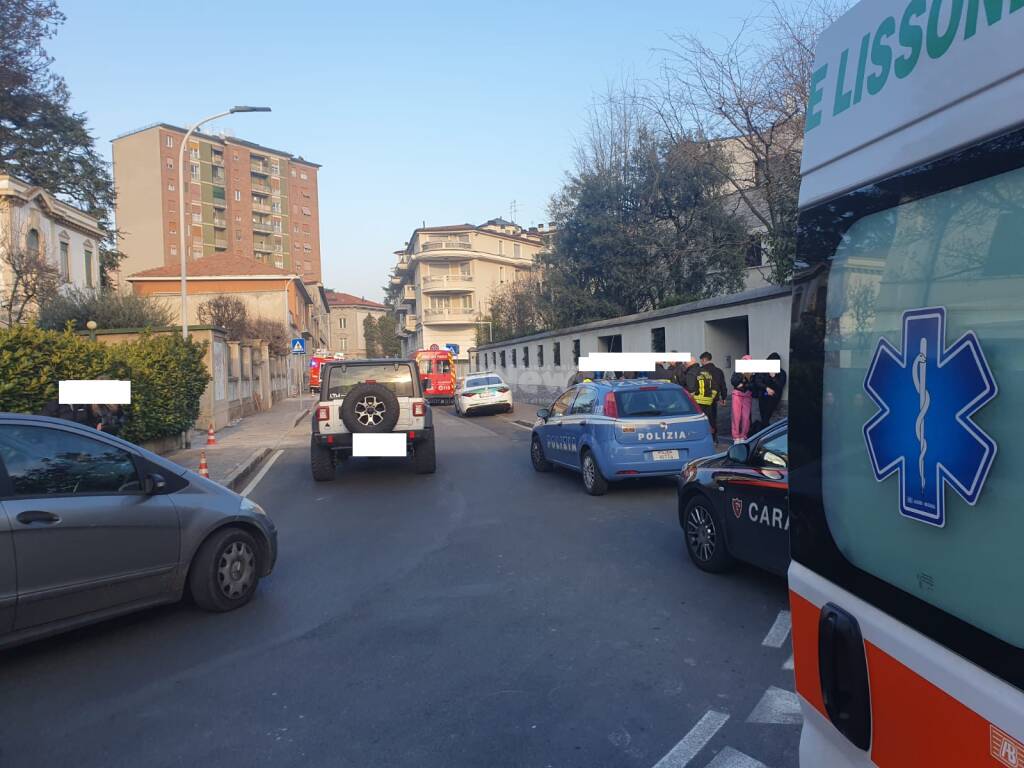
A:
614, 430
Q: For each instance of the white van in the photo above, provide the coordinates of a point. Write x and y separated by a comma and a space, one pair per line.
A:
907, 525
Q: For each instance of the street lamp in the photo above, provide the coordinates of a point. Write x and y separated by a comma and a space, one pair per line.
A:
181, 210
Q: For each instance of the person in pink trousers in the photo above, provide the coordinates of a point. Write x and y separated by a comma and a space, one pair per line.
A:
741, 401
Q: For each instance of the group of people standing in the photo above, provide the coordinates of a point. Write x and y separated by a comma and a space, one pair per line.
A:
106, 418
706, 382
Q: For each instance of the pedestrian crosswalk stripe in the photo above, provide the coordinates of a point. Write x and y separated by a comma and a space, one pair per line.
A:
780, 630
732, 758
693, 742
777, 707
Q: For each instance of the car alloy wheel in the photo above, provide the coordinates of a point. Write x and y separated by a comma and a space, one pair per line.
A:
701, 534
589, 470
236, 570
370, 411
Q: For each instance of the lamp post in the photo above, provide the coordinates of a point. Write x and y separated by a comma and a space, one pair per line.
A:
181, 210
91, 326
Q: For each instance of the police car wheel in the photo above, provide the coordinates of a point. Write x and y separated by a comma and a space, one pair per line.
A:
705, 538
537, 456
593, 481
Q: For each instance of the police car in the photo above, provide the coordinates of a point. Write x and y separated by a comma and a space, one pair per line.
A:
614, 430
733, 506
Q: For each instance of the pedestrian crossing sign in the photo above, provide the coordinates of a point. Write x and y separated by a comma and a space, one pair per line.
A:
298, 346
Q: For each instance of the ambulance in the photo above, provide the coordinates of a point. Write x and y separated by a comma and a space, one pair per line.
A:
907, 362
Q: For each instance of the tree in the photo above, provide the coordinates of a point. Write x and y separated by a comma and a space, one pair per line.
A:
41, 139
641, 223
108, 308
273, 332
381, 336
371, 337
749, 98
387, 335
29, 280
229, 313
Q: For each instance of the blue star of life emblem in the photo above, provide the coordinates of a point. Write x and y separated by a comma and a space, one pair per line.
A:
926, 394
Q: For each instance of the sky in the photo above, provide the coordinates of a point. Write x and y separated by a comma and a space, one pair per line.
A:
440, 112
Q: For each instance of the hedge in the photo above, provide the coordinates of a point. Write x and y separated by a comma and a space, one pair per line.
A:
167, 374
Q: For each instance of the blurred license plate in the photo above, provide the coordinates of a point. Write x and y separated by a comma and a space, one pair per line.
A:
665, 455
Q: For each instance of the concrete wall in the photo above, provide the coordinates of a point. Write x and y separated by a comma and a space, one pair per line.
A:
245, 377
754, 322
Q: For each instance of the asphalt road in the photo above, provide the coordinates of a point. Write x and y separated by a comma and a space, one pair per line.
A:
484, 616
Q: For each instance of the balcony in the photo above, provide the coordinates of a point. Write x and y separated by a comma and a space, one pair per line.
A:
220, 244
262, 226
402, 265
217, 160
439, 283
219, 179
396, 280
220, 222
257, 167
220, 202
446, 245
262, 207
449, 315
266, 247
410, 324
260, 188
409, 293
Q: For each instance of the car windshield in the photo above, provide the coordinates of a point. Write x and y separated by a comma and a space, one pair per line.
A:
669, 401
395, 376
483, 381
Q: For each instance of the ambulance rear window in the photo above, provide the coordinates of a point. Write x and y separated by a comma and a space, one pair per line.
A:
955, 259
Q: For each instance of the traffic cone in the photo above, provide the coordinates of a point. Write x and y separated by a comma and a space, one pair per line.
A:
211, 439
204, 470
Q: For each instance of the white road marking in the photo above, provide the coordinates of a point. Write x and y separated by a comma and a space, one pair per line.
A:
777, 707
259, 475
693, 742
789, 663
780, 630
731, 758
521, 426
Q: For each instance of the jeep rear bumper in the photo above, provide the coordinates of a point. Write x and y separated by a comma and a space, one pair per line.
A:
343, 441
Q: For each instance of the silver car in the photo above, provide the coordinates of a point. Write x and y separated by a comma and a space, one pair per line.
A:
92, 526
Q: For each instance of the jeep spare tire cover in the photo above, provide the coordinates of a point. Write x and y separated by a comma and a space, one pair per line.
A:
370, 408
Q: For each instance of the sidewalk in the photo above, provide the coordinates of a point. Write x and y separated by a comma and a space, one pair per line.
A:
242, 447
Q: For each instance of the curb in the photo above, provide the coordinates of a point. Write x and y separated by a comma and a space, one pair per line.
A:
238, 477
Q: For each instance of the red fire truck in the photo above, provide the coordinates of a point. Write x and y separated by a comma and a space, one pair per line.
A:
437, 370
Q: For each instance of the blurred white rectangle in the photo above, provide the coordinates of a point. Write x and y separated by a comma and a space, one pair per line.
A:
94, 392
369, 444
630, 361
758, 366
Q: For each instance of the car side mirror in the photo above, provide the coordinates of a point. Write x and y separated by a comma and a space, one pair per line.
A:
739, 452
544, 413
153, 484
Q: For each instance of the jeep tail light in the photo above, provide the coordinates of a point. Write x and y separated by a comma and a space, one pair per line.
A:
611, 406
419, 408
323, 413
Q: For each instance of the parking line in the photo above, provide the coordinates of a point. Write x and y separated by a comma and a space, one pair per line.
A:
780, 630
777, 707
693, 742
259, 475
731, 758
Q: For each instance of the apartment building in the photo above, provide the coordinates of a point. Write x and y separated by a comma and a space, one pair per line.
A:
242, 199
445, 276
347, 313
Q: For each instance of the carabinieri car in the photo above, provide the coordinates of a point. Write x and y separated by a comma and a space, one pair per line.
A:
613, 430
734, 506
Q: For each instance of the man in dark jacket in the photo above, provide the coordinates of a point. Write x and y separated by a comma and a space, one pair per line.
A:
768, 389
714, 373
